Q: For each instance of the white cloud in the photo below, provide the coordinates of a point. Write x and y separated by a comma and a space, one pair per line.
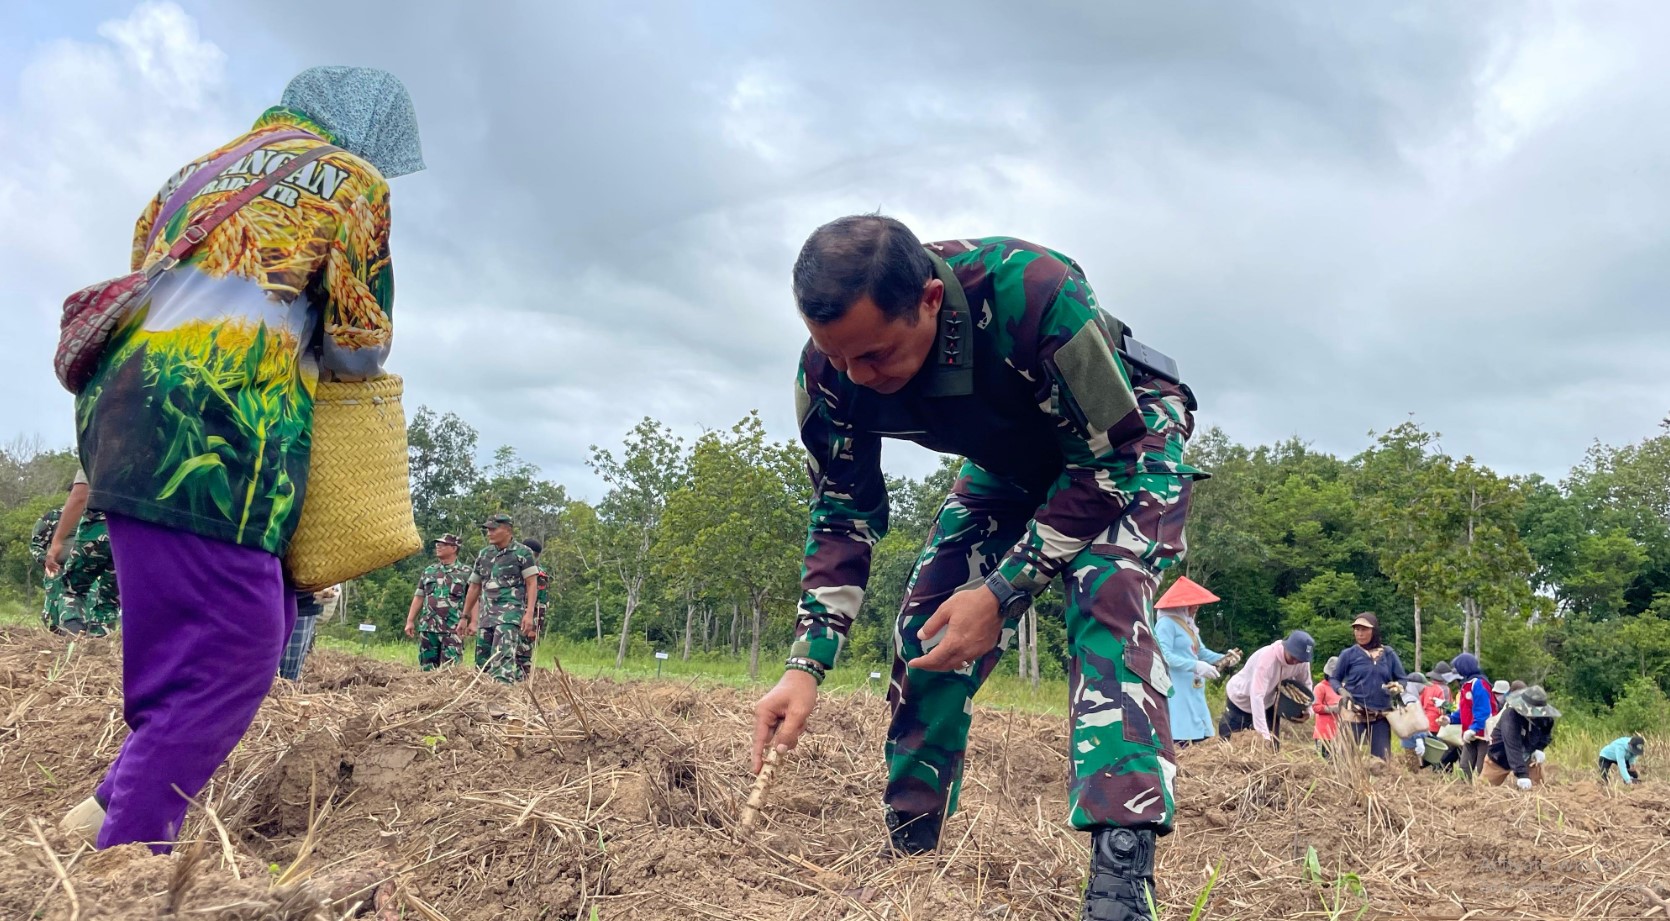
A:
93, 131
1332, 216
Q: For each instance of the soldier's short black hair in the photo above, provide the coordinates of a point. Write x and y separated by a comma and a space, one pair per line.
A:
533, 544
861, 255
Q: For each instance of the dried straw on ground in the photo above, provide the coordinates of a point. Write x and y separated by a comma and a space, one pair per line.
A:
376, 789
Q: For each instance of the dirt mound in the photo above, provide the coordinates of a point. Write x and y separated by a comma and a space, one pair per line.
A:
440, 796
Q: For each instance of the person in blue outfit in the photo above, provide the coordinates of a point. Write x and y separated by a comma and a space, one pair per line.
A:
1622, 754
1475, 704
1369, 675
1191, 663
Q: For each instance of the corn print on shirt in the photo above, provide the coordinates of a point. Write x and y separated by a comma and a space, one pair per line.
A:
200, 413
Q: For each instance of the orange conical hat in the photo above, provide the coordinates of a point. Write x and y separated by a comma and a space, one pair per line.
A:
1185, 593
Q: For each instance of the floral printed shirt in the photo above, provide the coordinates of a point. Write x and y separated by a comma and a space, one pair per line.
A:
200, 414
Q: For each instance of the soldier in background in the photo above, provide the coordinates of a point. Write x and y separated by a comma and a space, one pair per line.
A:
524, 650
80, 559
995, 350
438, 606
40, 542
499, 607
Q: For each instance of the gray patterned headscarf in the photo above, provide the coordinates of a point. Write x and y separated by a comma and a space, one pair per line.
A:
367, 109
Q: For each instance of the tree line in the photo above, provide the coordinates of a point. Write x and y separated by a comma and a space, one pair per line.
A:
694, 548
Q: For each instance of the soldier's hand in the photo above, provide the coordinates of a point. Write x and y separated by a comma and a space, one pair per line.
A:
780, 716
971, 627
527, 625
54, 560
410, 632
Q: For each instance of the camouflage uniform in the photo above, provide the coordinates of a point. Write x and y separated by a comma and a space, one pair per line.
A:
89, 579
441, 587
503, 601
40, 543
1075, 468
524, 647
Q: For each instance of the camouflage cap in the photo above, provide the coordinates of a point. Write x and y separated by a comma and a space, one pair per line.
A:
1532, 703
450, 540
494, 521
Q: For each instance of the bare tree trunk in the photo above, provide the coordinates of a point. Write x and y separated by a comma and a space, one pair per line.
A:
736, 629
1032, 644
707, 628
1417, 631
754, 644
597, 608
689, 616
626, 622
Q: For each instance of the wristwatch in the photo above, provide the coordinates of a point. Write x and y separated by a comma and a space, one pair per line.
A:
1011, 601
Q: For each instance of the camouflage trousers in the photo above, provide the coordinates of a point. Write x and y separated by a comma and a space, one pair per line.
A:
1123, 764
89, 601
495, 651
52, 601
438, 649
524, 647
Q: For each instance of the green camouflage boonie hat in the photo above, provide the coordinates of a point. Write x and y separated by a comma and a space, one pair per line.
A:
494, 521
449, 540
1532, 703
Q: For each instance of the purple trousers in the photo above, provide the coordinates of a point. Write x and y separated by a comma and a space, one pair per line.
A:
203, 625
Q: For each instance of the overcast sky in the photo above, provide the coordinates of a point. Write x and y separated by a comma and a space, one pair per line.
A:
1332, 215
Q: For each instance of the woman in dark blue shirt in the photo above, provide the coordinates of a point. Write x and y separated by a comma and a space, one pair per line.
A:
1370, 674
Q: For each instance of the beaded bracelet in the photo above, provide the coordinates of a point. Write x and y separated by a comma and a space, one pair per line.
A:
809, 666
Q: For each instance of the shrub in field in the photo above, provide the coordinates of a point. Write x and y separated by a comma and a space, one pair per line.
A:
1643, 708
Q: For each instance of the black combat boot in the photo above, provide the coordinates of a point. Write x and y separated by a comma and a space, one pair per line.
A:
1121, 876
910, 835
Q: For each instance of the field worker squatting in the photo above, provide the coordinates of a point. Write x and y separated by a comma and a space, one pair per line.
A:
994, 350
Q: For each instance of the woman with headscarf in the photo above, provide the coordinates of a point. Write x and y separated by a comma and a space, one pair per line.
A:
195, 427
1371, 679
1475, 704
1190, 662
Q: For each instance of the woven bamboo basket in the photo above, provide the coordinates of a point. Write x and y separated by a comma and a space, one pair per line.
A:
357, 512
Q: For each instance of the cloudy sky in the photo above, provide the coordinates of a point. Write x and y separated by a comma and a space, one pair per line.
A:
1333, 215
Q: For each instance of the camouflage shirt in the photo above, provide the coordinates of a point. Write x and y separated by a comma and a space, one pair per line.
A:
40, 540
1025, 381
500, 573
442, 587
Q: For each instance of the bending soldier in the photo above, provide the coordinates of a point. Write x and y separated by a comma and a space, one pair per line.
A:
994, 350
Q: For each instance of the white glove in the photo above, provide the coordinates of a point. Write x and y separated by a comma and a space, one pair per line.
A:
1539, 756
1205, 672
1467, 736
1524, 783
1420, 746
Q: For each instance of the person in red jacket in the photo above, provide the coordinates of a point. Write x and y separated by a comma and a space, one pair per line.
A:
1435, 694
1326, 708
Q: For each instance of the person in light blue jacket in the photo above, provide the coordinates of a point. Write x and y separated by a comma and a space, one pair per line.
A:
1190, 662
1622, 754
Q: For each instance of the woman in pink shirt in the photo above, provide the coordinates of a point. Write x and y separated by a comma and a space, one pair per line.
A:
1250, 696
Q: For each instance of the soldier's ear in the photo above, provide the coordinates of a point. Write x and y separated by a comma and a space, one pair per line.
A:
933, 297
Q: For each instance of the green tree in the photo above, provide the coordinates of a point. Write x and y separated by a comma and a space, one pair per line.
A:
651, 468
737, 523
